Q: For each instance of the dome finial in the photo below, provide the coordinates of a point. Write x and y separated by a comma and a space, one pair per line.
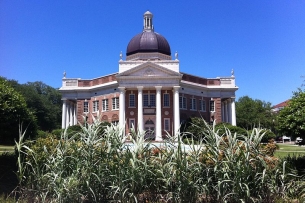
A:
121, 56
176, 55
232, 72
148, 24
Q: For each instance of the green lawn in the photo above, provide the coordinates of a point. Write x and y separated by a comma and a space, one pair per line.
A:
289, 149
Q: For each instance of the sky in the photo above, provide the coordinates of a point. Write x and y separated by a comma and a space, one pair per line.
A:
262, 41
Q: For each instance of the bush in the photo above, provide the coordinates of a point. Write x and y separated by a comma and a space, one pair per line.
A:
295, 163
233, 129
194, 128
268, 135
102, 168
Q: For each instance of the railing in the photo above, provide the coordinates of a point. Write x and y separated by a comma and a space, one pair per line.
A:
69, 82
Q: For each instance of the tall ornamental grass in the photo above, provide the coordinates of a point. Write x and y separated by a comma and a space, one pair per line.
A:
90, 166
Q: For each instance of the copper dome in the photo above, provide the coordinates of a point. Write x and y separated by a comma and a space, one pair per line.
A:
148, 42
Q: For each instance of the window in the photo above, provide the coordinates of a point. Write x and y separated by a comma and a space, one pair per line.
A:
149, 100
182, 102
132, 100
95, 106
166, 124
212, 106
202, 105
105, 105
166, 100
152, 101
145, 100
115, 103
193, 104
132, 123
86, 107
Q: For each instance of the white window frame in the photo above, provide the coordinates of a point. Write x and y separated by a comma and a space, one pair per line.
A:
202, 105
105, 106
132, 123
86, 107
166, 100
167, 124
193, 105
95, 106
132, 100
115, 103
182, 102
212, 106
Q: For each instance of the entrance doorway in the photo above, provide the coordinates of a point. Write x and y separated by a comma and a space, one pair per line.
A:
149, 127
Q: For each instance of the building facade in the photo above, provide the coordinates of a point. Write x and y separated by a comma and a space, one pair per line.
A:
149, 93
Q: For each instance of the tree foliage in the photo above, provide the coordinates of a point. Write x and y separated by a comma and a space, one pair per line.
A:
14, 113
291, 119
253, 113
44, 101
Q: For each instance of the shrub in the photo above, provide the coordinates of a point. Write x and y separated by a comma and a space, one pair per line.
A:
194, 128
102, 167
268, 135
221, 127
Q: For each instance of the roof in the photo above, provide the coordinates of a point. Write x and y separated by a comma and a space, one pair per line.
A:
148, 42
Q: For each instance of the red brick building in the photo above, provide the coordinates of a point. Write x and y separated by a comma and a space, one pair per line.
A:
149, 93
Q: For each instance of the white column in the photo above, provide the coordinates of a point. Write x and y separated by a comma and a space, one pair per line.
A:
229, 111
140, 108
63, 117
74, 113
67, 113
233, 113
71, 114
176, 110
122, 109
226, 112
158, 132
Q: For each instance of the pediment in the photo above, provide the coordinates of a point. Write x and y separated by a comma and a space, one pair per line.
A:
149, 70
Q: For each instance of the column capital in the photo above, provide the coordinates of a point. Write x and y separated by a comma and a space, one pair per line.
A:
140, 87
158, 87
176, 88
122, 89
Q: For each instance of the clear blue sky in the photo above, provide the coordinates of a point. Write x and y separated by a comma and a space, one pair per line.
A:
263, 41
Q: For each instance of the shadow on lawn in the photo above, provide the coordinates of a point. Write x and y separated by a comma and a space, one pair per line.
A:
8, 177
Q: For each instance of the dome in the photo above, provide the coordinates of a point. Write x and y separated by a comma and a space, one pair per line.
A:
148, 42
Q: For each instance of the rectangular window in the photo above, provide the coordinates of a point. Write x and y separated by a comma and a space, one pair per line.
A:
152, 101
166, 100
95, 106
202, 105
145, 100
212, 106
167, 124
149, 100
132, 123
132, 102
193, 104
105, 105
86, 107
182, 102
115, 103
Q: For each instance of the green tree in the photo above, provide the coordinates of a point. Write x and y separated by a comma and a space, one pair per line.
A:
253, 113
44, 101
291, 119
13, 113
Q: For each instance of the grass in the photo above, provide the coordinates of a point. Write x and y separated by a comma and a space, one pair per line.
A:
289, 149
